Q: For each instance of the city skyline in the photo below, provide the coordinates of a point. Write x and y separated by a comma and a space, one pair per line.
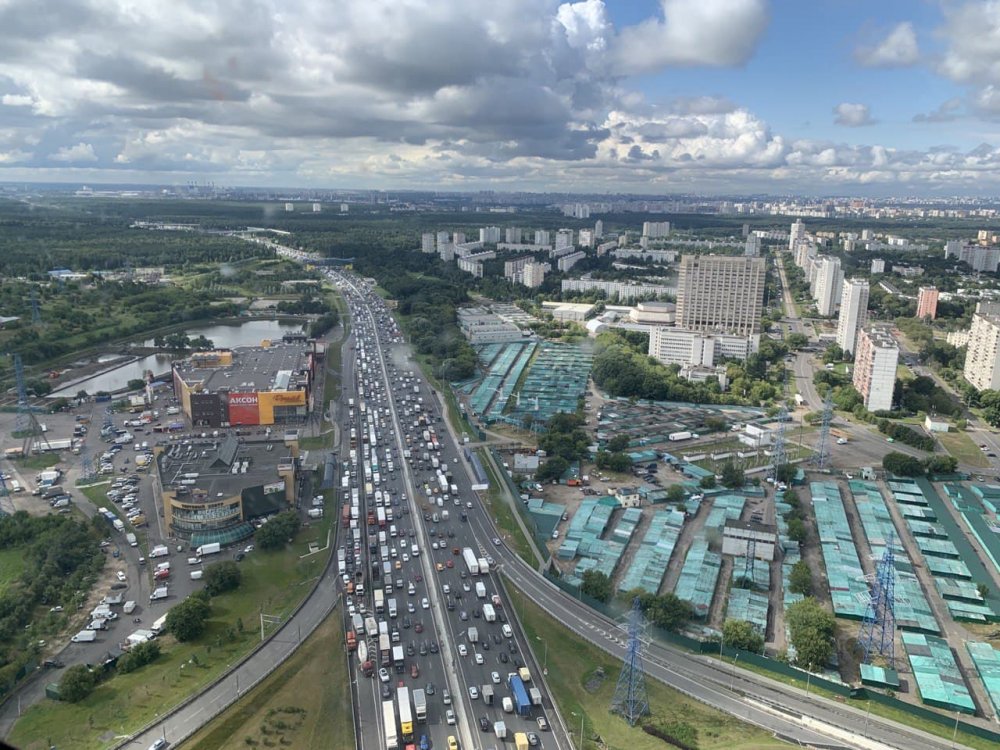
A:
714, 97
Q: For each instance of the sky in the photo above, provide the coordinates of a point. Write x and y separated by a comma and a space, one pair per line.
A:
718, 97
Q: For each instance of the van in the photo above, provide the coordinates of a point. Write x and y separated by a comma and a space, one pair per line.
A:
414, 550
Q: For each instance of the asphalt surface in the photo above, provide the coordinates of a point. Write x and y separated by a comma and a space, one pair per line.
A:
453, 606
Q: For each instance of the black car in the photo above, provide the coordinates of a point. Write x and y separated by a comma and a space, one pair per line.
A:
54, 663
430, 688
512, 646
504, 658
386, 692
485, 645
496, 639
434, 647
406, 623
484, 724
409, 649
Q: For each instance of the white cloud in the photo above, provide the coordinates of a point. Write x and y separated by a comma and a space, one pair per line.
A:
16, 100
898, 49
71, 154
970, 32
852, 115
692, 32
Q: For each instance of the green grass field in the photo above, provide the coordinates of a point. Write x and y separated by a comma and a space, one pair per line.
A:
273, 583
304, 704
11, 566
504, 514
37, 462
962, 447
573, 665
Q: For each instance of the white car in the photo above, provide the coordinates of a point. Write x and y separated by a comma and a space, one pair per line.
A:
479, 659
446, 589
462, 650
495, 676
121, 576
383, 674
424, 603
473, 692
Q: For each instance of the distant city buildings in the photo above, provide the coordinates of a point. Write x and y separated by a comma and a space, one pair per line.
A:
979, 257
797, 234
533, 274
853, 313
875, 363
576, 210
489, 235
656, 230
566, 262
586, 238
481, 326
564, 238
927, 301
752, 247
721, 294
878, 265
427, 243
624, 290
512, 235
542, 237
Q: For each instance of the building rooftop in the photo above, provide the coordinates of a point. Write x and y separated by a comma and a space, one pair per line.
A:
213, 468
762, 528
881, 337
278, 367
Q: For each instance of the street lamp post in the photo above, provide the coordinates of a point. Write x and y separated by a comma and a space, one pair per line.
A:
581, 727
545, 666
732, 684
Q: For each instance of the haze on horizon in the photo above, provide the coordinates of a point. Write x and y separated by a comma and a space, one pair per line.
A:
645, 96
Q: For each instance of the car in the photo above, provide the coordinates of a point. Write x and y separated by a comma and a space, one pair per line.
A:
414, 671
410, 607
406, 623
449, 564
496, 638
532, 739
439, 567
485, 645
452, 742
423, 649
543, 724
409, 649
54, 663
418, 628
473, 692
446, 589
466, 587
446, 697
496, 541
386, 692
495, 676
158, 744
463, 616
434, 647
503, 657
476, 613
57, 608
418, 578
449, 717
119, 586
462, 650
383, 674
480, 659
121, 576
424, 603
429, 689
424, 745
484, 724
463, 575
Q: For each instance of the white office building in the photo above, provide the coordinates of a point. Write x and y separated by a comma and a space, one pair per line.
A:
878, 265
566, 262
656, 230
586, 238
679, 346
752, 247
829, 281
853, 313
533, 274
980, 257
598, 229
489, 235
542, 237
798, 232
982, 358
564, 238
875, 363
512, 235
427, 244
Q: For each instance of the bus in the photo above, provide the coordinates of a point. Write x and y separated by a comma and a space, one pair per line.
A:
405, 715
389, 722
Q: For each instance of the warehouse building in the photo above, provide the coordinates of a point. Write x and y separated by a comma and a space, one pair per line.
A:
260, 385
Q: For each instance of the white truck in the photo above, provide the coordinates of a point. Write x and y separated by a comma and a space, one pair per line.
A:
489, 614
129, 607
132, 541
208, 549
315, 512
160, 550
159, 593
480, 590
196, 575
84, 636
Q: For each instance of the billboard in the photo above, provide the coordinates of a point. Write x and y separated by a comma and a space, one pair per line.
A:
243, 409
279, 486
269, 400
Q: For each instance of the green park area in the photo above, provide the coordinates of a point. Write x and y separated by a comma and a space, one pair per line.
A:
273, 582
963, 448
304, 704
582, 680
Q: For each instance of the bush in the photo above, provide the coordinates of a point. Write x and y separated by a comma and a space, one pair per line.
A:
139, 656
77, 683
187, 619
222, 577
278, 530
677, 733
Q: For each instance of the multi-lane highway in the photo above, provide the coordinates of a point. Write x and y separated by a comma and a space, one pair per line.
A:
440, 625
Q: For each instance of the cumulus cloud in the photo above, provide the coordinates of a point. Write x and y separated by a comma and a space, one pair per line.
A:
692, 32
71, 154
852, 115
946, 112
898, 49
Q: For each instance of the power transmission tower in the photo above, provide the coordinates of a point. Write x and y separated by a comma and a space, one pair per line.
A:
823, 446
109, 422
630, 699
86, 464
778, 456
879, 626
751, 555
23, 423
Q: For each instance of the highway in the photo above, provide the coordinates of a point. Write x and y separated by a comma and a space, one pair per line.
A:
459, 649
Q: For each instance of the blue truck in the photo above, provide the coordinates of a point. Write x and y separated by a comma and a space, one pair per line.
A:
522, 703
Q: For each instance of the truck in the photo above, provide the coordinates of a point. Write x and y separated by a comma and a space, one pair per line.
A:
500, 730
420, 705
524, 674
129, 607
159, 593
489, 614
315, 512
379, 601
160, 550
208, 549
488, 694
84, 636
118, 524
484, 566
536, 696
398, 658
680, 435
392, 607
196, 575
471, 561
364, 663
520, 741
522, 703
480, 590
473, 635
389, 725
384, 651
352, 641
132, 541
405, 714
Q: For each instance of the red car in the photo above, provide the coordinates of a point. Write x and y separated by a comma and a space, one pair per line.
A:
414, 671
449, 564
419, 627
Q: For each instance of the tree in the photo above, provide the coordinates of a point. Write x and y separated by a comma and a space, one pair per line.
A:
553, 468
983, 590
596, 585
618, 443
138, 656
791, 497
800, 579
811, 629
786, 473
222, 577
833, 354
742, 635
940, 464
797, 340
902, 465
732, 476
77, 683
668, 611
796, 530
276, 533
136, 384
676, 493
707, 483
187, 619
